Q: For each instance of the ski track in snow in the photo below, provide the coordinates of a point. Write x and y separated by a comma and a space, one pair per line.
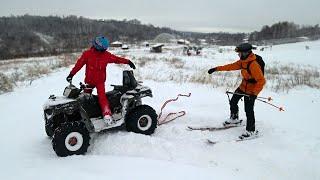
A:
289, 147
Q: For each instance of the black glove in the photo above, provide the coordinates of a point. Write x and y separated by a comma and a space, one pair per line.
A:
69, 78
210, 71
132, 65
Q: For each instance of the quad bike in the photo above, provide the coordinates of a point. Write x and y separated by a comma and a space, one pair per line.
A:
69, 119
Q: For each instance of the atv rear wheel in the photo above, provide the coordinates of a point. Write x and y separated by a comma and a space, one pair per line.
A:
142, 119
71, 138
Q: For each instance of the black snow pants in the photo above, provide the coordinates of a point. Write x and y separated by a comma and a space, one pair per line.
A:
248, 106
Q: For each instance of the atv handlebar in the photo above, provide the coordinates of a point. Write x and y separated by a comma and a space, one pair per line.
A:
85, 86
82, 86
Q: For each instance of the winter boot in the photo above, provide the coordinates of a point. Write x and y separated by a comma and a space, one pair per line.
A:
232, 121
108, 120
249, 135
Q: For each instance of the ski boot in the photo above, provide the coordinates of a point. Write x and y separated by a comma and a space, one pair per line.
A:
249, 135
232, 121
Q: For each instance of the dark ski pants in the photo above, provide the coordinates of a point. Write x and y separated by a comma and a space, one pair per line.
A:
248, 107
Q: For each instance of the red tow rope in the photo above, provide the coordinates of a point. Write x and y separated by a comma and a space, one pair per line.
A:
174, 115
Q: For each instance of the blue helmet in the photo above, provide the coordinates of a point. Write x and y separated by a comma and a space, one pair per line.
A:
100, 43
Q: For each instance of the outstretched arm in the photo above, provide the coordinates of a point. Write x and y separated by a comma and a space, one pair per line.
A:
116, 59
230, 67
80, 63
121, 60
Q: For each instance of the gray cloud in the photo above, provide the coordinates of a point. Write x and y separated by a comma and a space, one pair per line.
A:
191, 15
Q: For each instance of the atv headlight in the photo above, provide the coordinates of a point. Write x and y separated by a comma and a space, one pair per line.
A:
48, 113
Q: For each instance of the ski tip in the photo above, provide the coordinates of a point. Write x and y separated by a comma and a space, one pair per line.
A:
211, 142
189, 128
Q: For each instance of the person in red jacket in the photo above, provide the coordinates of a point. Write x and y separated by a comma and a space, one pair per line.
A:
96, 60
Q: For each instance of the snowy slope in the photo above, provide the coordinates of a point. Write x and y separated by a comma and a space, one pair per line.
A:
294, 53
288, 149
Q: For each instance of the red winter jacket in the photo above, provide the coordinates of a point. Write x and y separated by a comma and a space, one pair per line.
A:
96, 63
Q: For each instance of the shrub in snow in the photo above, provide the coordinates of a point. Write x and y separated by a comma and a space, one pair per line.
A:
286, 77
6, 84
67, 60
280, 77
176, 62
142, 61
34, 72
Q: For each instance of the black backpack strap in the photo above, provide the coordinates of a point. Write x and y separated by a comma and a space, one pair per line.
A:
252, 80
248, 66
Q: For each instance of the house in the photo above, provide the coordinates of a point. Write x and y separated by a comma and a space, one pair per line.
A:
157, 48
183, 41
116, 44
125, 47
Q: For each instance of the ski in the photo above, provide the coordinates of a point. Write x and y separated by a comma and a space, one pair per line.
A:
209, 128
212, 142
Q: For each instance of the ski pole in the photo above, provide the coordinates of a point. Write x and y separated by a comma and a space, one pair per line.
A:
280, 108
258, 97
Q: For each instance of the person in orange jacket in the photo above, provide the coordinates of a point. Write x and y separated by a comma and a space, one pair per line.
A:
96, 60
252, 83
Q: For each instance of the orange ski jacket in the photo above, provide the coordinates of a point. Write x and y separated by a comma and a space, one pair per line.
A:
247, 85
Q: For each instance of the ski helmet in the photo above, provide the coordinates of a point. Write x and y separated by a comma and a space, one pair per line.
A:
244, 47
100, 43
244, 50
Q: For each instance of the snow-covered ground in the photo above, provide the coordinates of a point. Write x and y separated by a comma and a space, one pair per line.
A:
289, 147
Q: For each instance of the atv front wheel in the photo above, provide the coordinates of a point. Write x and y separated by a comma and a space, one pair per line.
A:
142, 119
71, 138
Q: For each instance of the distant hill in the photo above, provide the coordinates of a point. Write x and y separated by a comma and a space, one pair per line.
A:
24, 36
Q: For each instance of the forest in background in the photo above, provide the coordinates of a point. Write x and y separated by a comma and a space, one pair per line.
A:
27, 36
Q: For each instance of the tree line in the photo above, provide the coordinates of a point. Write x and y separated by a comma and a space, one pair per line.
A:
282, 30
24, 36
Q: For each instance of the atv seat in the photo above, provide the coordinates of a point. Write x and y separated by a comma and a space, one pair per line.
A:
129, 82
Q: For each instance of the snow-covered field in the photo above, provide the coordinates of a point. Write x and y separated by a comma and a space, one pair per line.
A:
289, 147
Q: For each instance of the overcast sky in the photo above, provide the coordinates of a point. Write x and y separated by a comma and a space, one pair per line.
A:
186, 15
